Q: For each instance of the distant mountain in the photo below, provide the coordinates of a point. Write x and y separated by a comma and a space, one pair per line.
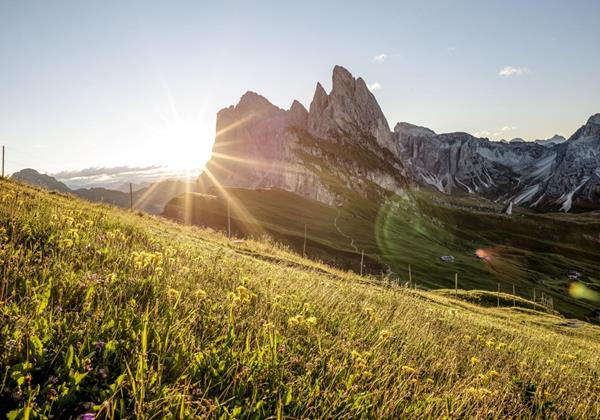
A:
343, 147
151, 199
136, 186
556, 139
33, 177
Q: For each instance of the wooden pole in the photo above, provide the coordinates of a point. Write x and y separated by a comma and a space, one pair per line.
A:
498, 295
456, 284
362, 259
130, 196
228, 218
304, 245
2, 161
409, 276
514, 294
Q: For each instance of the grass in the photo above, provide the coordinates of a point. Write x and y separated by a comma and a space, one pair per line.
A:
528, 251
130, 316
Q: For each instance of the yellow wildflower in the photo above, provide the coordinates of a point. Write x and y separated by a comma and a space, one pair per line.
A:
493, 374
474, 361
172, 293
311, 321
408, 370
384, 334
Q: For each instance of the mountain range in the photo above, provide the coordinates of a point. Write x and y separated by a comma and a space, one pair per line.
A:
151, 198
343, 145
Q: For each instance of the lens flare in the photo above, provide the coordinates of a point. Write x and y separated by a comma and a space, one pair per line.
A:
579, 290
484, 254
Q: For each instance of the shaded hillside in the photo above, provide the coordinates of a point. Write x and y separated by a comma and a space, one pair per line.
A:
528, 250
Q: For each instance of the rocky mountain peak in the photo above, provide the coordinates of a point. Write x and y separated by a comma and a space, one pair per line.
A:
350, 110
254, 101
594, 119
404, 128
320, 100
298, 114
342, 81
590, 129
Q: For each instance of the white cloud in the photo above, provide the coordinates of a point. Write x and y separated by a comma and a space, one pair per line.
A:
482, 133
508, 128
513, 71
380, 58
375, 86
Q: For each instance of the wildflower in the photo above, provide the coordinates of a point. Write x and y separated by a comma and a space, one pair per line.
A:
65, 243
482, 377
360, 359
88, 416
429, 381
311, 321
244, 294
490, 343
493, 374
384, 335
295, 320
102, 373
500, 346
408, 370
200, 294
370, 313
100, 345
474, 361
172, 293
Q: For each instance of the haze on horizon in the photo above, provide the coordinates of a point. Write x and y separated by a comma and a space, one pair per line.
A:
138, 87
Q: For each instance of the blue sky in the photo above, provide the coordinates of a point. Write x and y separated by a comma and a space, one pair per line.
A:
106, 84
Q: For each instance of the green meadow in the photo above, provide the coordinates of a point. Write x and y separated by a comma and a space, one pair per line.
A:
124, 315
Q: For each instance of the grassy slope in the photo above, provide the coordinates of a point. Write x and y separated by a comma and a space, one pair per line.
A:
129, 315
528, 250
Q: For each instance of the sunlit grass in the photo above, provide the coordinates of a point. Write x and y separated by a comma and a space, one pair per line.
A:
123, 315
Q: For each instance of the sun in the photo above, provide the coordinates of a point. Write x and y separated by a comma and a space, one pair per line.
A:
181, 143
189, 144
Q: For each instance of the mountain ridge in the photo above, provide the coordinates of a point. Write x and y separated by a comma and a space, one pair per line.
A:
342, 145
151, 199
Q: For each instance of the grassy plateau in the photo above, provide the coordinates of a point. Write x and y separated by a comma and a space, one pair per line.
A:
124, 315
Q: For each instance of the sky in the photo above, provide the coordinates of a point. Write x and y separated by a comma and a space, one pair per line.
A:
133, 87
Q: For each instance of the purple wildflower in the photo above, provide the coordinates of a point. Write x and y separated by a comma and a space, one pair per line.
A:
102, 373
100, 345
88, 416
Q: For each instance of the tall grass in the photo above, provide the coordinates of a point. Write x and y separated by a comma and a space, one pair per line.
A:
123, 315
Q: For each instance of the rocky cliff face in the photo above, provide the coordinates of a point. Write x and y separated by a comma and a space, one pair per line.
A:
343, 146
554, 175
340, 147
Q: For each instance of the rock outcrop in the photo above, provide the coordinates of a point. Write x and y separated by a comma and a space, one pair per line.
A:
343, 146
